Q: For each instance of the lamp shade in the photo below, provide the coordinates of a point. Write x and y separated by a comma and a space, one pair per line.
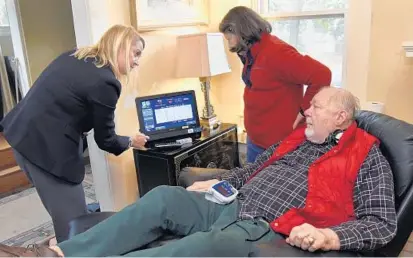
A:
201, 55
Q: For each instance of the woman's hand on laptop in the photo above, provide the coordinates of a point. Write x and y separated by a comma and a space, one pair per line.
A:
202, 186
138, 140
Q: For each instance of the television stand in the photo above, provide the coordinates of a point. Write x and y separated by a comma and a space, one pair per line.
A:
215, 149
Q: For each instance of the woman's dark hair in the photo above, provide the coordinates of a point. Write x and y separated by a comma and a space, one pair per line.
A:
246, 24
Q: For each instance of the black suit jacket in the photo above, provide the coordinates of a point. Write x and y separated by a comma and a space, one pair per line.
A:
69, 98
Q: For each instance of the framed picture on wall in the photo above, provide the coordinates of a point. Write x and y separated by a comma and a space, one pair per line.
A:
157, 14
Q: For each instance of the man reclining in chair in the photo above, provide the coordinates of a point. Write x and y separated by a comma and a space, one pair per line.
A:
325, 187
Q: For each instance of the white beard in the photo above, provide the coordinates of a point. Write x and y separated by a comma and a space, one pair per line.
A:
309, 133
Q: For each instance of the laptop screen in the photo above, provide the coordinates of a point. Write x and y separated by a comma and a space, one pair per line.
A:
170, 112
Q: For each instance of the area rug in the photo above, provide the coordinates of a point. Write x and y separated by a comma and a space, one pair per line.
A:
25, 219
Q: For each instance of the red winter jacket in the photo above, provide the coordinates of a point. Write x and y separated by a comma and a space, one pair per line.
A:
275, 75
331, 180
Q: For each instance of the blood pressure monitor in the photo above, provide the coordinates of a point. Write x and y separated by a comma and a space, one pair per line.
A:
222, 193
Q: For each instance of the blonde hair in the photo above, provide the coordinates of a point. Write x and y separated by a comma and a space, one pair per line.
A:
105, 51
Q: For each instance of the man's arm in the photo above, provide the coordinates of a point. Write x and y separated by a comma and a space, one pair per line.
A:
296, 68
238, 176
374, 207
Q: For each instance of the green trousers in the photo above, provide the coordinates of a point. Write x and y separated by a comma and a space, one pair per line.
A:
208, 229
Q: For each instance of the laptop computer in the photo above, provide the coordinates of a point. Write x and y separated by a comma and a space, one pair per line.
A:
169, 117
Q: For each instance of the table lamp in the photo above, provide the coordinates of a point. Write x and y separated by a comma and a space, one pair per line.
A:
203, 56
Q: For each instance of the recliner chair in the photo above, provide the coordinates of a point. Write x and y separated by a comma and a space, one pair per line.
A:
396, 138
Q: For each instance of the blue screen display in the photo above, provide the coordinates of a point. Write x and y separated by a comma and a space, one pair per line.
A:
169, 113
224, 188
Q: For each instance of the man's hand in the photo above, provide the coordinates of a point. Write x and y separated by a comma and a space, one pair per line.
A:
298, 120
307, 237
202, 186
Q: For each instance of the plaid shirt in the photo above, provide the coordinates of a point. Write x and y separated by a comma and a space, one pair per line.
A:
283, 185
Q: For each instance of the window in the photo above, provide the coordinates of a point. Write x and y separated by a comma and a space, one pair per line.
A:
4, 19
314, 27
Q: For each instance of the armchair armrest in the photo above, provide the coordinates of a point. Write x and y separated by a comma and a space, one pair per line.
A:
189, 175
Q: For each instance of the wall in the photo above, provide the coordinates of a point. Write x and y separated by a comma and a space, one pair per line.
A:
47, 30
390, 73
156, 72
357, 53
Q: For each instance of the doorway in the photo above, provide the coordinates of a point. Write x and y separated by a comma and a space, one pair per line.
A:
32, 34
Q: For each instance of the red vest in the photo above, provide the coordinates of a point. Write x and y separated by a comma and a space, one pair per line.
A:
331, 180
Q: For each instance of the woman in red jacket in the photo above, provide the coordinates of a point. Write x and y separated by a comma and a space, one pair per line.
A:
274, 74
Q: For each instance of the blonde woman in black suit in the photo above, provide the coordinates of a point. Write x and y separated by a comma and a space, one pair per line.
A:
77, 92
